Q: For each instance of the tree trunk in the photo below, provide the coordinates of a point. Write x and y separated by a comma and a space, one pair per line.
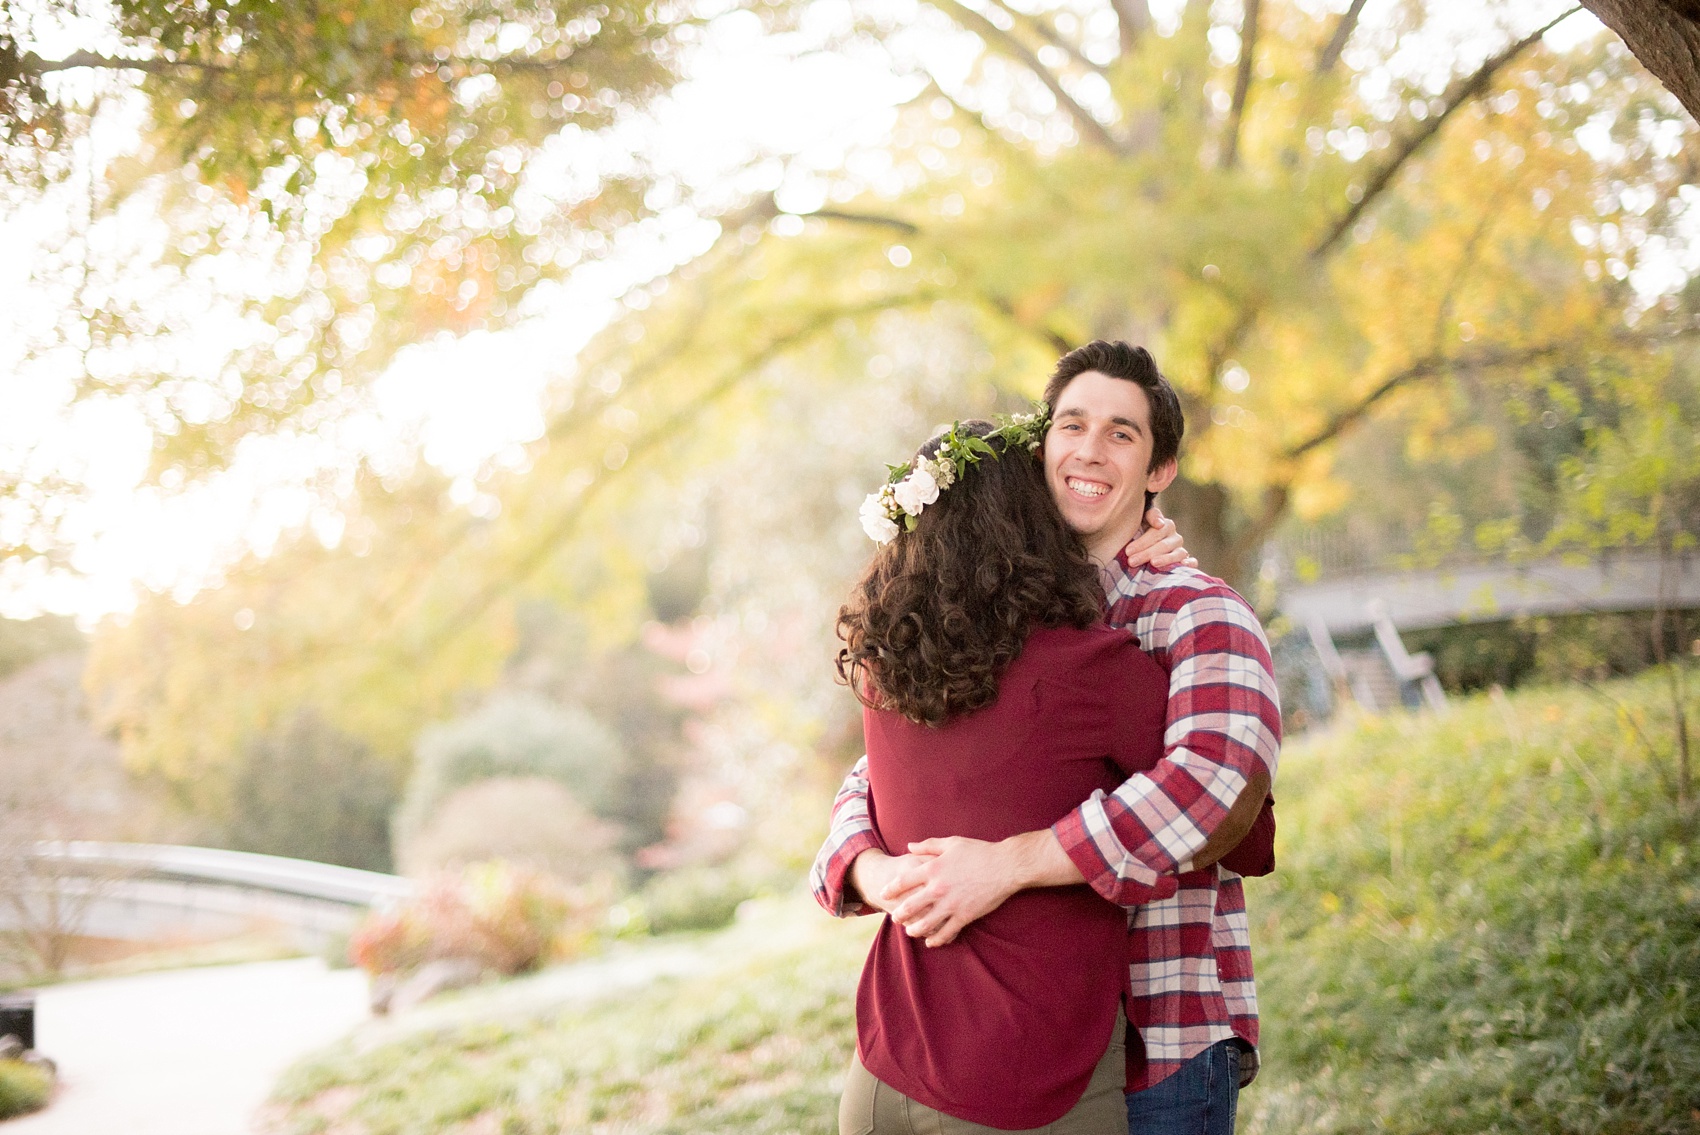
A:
1202, 513
1665, 37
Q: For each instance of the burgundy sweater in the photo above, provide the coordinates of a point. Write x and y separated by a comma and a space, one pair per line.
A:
1004, 1026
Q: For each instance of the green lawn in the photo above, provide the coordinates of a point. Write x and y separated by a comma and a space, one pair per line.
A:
1485, 923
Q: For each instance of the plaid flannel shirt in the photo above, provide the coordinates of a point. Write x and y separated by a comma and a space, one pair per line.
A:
1190, 955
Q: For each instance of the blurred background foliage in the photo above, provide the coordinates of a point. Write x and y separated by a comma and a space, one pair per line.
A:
1415, 308
1425, 292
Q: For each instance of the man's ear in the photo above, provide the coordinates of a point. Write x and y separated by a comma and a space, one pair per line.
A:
1163, 477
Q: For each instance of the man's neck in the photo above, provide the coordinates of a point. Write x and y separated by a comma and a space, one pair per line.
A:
1103, 548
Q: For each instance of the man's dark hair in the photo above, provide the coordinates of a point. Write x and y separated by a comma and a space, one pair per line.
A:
942, 610
1134, 364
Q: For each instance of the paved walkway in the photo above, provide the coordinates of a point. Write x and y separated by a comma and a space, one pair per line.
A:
186, 1052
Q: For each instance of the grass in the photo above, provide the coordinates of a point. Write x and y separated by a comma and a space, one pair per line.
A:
1483, 923
23, 1088
759, 1046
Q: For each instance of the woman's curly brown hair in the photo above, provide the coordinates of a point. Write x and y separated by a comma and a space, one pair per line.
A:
943, 610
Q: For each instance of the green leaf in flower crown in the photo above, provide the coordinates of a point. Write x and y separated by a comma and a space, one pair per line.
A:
895, 473
909, 522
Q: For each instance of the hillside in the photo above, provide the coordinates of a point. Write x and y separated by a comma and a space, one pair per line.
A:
1483, 923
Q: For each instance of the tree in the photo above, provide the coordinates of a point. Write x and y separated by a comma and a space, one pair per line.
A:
309, 791
334, 181
1637, 484
1305, 234
1665, 37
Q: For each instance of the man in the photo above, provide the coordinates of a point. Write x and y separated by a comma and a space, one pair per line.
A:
1112, 446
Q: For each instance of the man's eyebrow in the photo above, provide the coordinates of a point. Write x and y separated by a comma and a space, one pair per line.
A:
1078, 412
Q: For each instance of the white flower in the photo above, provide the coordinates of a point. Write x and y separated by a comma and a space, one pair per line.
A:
881, 529
942, 471
916, 491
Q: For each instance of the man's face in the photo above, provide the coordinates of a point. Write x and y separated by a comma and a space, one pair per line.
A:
1098, 460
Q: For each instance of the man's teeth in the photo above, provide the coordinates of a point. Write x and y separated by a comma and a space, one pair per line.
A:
1087, 488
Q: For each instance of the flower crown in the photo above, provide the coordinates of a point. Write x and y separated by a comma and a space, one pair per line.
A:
896, 505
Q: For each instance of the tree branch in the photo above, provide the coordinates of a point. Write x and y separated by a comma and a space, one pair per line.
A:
1088, 126
89, 60
909, 228
1343, 30
1049, 34
548, 541
81, 60
1428, 367
1132, 18
1242, 85
1484, 359
1277, 496
1057, 340
1462, 92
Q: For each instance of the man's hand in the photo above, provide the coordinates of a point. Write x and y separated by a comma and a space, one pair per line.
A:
953, 881
1158, 544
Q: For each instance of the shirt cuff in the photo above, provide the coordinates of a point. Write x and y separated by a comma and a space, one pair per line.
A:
1089, 840
838, 873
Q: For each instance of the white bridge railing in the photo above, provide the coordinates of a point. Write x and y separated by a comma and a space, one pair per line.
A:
155, 892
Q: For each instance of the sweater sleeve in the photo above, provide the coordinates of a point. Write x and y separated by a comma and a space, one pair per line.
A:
1223, 720
851, 833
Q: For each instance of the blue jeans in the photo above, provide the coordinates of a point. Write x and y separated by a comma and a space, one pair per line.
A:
1199, 1099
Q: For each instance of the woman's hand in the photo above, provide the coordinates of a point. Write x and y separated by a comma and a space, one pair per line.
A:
882, 881
1158, 544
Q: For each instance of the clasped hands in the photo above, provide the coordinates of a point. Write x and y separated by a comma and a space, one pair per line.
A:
941, 885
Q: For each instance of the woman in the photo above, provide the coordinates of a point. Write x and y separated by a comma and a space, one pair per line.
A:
995, 701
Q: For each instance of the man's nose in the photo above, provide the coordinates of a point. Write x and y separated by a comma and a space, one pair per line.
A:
1091, 447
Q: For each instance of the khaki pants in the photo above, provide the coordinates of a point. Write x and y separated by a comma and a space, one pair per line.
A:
871, 1107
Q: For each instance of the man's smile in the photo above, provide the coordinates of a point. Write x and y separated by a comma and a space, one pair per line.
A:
1087, 488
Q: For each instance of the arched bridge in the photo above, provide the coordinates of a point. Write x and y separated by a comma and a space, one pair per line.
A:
155, 892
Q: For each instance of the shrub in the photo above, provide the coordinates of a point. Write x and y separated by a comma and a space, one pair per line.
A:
692, 898
505, 918
310, 791
513, 735
22, 1088
529, 821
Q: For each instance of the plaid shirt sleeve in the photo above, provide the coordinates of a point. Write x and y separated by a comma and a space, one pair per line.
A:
852, 832
1224, 721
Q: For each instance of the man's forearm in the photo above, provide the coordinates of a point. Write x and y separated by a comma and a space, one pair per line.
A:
1037, 859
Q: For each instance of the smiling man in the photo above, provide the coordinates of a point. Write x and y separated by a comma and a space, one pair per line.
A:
1113, 445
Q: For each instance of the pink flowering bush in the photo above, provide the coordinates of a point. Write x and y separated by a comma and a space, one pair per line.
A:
505, 918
